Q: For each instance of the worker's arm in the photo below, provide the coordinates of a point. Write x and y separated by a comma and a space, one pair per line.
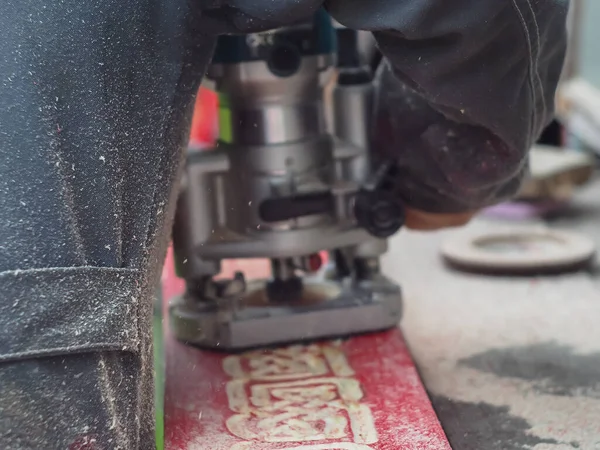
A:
468, 88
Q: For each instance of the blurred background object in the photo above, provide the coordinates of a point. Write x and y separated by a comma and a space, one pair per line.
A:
578, 97
555, 175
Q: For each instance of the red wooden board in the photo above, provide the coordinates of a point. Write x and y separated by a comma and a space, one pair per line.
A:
359, 394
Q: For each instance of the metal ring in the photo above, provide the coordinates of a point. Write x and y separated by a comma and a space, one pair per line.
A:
521, 250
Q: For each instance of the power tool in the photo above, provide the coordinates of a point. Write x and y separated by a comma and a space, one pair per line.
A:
285, 183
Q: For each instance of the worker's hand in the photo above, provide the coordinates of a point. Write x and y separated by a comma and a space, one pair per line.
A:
424, 221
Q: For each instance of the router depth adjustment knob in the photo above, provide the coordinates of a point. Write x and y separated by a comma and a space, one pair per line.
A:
378, 208
379, 214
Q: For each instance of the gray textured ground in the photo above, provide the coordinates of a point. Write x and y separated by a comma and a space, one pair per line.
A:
509, 363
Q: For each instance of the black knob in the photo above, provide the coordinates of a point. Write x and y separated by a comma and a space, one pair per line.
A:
378, 207
378, 213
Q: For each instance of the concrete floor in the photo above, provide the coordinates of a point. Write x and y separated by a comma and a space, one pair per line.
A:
509, 363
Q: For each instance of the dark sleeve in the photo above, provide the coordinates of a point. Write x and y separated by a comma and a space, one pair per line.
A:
468, 87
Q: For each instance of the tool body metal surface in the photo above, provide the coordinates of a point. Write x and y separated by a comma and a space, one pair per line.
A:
280, 185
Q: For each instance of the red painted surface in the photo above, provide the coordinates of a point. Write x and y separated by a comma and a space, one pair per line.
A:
204, 127
197, 405
380, 382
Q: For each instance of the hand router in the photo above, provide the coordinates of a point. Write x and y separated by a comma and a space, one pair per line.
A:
280, 186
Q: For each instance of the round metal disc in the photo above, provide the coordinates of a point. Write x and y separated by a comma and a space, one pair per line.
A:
522, 250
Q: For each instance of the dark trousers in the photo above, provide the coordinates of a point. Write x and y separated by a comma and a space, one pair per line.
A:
95, 98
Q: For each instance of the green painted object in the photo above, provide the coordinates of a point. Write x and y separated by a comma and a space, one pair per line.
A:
225, 129
159, 378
